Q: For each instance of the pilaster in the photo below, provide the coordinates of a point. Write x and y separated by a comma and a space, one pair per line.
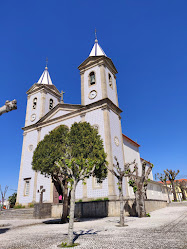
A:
108, 145
36, 173
21, 168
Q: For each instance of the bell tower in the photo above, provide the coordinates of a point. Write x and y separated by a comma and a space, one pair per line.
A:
41, 98
98, 77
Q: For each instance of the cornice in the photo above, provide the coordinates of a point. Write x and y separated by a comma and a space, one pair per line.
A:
97, 60
81, 110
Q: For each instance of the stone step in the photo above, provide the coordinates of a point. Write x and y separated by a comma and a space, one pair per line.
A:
16, 214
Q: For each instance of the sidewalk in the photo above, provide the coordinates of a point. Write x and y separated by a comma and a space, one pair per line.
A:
166, 228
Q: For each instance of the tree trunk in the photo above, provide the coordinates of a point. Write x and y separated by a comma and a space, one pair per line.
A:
169, 201
121, 204
183, 194
64, 218
140, 202
174, 192
72, 212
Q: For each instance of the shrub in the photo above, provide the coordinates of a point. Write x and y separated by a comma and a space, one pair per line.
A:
18, 206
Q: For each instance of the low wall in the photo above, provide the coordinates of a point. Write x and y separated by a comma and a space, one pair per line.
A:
98, 209
42, 211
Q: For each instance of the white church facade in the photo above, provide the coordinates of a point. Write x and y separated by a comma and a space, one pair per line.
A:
99, 106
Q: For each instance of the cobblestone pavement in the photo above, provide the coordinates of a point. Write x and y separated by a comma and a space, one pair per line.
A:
166, 228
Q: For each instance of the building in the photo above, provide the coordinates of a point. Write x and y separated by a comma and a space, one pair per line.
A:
99, 106
180, 188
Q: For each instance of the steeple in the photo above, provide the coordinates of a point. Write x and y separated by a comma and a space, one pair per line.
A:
45, 78
97, 50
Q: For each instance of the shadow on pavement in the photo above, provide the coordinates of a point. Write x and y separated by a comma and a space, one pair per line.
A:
58, 221
4, 230
82, 233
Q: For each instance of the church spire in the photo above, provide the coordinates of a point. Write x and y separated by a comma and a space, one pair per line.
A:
97, 50
45, 77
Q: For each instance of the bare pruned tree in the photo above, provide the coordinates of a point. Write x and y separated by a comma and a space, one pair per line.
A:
3, 193
139, 184
163, 178
171, 175
9, 106
120, 174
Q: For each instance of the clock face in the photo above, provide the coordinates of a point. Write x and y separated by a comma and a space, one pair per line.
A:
116, 140
92, 94
33, 117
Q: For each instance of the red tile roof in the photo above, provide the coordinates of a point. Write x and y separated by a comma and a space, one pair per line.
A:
130, 140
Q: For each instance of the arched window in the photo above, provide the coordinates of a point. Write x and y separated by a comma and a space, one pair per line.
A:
110, 80
92, 78
50, 104
34, 103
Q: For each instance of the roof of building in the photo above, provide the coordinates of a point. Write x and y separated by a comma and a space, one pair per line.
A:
145, 160
180, 180
97, 50
130, 140
45, 78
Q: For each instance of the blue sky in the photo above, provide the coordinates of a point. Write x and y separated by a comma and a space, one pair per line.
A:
147, 41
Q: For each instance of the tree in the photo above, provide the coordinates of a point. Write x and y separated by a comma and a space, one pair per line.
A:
171, 175
47, 152
163, 179
120, 175
183, 186
84, 157
12, 199
139, 184
3, 193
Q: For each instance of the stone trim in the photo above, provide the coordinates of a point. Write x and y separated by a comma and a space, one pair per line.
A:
92, 61
96, 105
21, 167
36, 173
103, 82
108, 146
82, 89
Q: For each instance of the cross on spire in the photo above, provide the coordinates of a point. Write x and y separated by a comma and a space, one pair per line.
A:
46, 63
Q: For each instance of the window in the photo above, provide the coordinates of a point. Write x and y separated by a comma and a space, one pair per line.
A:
96, 184
34, 103
96, 126
50, 104
110, 80
92, 78
27, 186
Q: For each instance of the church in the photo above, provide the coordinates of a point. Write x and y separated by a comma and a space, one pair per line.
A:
46, 110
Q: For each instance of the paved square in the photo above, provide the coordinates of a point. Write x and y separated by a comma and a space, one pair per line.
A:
166, 228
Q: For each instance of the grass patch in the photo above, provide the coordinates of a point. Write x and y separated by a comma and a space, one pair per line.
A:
65, 245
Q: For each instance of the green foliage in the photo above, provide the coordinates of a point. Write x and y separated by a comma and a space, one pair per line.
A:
84, 155
105, 199
81, 145
31, 205
98, 199
80, 200
49, 150
86, 148
18, 206
12, 199
148, 215
65, 245
135, 188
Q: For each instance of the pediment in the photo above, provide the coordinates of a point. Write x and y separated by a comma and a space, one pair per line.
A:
94, 60
49, 88
58, 111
